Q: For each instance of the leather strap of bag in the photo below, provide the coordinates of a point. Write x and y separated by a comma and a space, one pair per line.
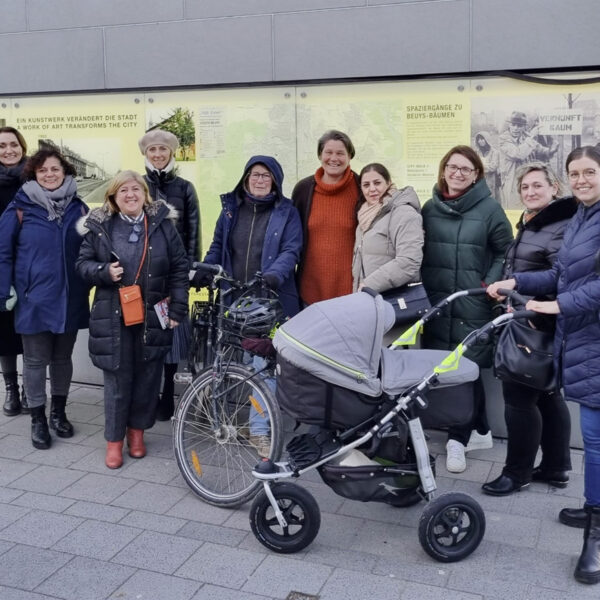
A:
145, 249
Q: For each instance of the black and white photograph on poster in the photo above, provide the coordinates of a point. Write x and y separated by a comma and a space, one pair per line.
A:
179, 121
511, 132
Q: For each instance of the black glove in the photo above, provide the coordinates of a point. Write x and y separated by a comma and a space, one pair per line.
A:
272, 280
201, 279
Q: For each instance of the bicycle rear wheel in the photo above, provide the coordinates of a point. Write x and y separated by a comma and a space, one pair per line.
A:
212, 440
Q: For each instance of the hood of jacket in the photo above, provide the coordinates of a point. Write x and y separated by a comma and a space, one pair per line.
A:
274, 168
473, 196
559, 210
99, 216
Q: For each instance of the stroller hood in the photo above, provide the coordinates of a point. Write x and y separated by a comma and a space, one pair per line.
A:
339, 340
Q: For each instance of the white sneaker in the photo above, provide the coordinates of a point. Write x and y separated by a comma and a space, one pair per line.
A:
455, 457
479, 442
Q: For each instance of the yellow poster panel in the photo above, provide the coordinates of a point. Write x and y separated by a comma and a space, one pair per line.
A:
97, 134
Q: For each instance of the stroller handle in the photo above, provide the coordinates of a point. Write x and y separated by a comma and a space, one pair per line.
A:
513, 295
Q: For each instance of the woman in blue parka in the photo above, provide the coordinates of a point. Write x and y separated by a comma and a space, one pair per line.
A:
39, 244
575, 280
259, 230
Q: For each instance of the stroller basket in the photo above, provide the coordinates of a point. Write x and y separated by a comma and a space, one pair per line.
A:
396, 485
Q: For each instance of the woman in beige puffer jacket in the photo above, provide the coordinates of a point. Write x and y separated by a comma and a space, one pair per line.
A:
388, 250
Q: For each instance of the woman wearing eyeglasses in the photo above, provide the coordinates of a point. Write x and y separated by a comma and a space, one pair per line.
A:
259, 230
132, 240
466, 237
574, 279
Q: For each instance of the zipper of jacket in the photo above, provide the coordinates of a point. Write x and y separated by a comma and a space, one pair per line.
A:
359, 375
250, 242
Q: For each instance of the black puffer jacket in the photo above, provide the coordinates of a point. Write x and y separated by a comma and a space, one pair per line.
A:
181, 195
164, 273
538, 240
536, 246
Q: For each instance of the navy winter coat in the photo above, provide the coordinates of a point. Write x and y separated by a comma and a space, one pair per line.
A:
164, 273
38, 257
283, 239
577, 286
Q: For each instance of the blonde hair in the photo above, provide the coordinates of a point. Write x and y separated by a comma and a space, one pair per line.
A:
549, 174
116, 182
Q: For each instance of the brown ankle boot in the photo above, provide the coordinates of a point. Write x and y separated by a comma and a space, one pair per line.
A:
114, 454
135, 442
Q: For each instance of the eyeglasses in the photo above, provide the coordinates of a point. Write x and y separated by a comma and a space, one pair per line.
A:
466, 171
587, 174
257, 176
134, 236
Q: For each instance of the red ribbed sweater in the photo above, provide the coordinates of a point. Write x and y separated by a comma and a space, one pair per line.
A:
327, 271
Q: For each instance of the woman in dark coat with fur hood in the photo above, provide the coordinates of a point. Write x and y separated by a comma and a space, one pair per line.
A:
535, 417
132, 240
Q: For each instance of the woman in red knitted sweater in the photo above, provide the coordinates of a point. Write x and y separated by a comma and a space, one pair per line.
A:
327, 203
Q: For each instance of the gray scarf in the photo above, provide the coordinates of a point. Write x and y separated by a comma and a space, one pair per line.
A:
53, 201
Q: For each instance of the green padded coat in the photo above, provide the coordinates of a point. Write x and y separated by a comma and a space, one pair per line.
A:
465, 242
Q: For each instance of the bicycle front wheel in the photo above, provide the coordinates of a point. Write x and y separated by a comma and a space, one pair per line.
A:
221, 431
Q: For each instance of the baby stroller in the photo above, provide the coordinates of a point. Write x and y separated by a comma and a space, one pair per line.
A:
366, 405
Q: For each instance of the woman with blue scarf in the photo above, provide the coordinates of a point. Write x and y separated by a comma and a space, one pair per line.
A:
39, 244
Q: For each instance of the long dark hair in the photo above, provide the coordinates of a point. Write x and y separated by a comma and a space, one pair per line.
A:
378, 168
469, 154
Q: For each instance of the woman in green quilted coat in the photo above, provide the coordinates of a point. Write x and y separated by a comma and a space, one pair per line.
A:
466, 236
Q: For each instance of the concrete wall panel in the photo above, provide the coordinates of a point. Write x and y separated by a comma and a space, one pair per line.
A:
201, 9
13, 16
65, 14
512, 34
52, 61
187, 53
365, 42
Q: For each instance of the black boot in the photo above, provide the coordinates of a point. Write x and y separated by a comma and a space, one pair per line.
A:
166, 403
24, 404
12, 404
40, 436
588, 565
573, 517
58, 418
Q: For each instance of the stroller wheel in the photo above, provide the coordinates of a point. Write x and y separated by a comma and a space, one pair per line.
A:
299, 509
451, 527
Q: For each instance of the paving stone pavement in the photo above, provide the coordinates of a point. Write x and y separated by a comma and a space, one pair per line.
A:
72, 529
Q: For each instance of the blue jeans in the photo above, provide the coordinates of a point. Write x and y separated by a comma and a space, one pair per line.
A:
259, 423
590, 429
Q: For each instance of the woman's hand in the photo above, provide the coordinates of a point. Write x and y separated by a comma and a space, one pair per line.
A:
173, 324
506, 284
548, 308
116, 271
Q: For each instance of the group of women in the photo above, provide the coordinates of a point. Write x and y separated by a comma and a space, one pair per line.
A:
53, 250
340, 232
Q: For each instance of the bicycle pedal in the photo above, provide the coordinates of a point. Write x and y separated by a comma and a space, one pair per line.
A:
183, 378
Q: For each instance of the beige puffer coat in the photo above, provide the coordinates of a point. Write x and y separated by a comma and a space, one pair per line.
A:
390, 252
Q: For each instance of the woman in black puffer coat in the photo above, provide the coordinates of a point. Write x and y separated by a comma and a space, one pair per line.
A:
535, 417
12, 160
132, 356
159, 147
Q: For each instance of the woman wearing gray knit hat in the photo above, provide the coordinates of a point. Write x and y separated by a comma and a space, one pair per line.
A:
158, 147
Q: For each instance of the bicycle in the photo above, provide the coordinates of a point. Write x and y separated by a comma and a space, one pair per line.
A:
213, 441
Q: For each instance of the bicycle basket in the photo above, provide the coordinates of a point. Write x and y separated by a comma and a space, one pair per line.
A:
254, 317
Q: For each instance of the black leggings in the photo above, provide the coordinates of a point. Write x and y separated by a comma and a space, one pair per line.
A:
479, 421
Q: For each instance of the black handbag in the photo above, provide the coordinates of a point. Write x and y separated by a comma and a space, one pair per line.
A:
525, 355
410, 302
